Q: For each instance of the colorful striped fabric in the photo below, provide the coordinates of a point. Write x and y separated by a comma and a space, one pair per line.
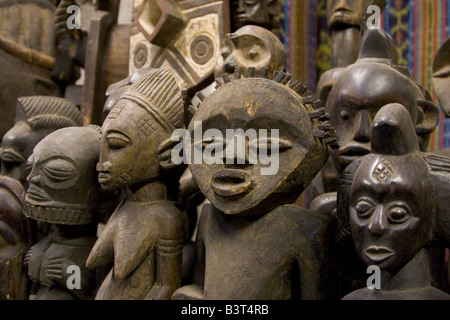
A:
419, 27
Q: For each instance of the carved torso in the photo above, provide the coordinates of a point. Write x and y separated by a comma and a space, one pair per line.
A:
131, 238
262, 259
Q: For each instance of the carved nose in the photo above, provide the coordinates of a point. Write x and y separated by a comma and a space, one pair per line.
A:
104, 166
377, 224
240, 8
363, 125
35, 179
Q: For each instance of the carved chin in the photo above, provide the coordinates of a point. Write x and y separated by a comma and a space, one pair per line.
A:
55, 215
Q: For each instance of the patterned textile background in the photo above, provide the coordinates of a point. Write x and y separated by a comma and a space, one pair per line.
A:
419, 27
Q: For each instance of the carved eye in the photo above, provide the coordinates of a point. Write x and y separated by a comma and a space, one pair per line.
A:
117, 141
266, 144
59, 170
364, 208
398, 213
253, 54
344, 115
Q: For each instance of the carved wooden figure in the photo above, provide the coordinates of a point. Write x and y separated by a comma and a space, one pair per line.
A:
64, 191
15, 240
27, 53
36, 117
252, 243
392, 212
145, 235
263, 13
373, 81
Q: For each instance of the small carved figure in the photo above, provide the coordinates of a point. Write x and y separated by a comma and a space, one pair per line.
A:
263, 13
145, 235
15, 240
36, 117
64, 191
252, 243
393, 213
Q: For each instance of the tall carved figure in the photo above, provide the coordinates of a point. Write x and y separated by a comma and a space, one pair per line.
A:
15, 240
393, 213
145, 235
64, 191
252, 243
36, 117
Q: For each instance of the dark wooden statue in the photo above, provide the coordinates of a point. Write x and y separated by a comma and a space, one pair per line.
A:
64, 191
36, 117
263, 13
145, 235
27, 54
15, 240
373, 81
252, 243
393, 212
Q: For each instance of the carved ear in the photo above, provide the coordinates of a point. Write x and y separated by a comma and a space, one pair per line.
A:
165, 153
430, 117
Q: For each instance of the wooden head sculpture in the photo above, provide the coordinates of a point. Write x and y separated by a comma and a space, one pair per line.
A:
392, 212
249, 104
263, 13
373, 81
36, 117
136, 130
64, 192
251, 46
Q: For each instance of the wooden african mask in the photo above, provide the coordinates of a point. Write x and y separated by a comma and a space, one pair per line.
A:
36, 117
251, 46
15, 240
393, 213
179, 36
250, 240
63, 191
27, 52
144, 236
364, 87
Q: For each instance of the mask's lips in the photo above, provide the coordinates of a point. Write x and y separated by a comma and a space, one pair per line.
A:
231, 182
378, 253
36, 194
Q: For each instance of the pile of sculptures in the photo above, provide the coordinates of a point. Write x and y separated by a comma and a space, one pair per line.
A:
173, 172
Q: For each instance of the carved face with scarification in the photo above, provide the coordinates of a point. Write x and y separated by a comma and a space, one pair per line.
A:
130, 139
390, 209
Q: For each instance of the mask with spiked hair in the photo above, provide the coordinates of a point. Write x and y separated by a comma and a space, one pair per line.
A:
278, 117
